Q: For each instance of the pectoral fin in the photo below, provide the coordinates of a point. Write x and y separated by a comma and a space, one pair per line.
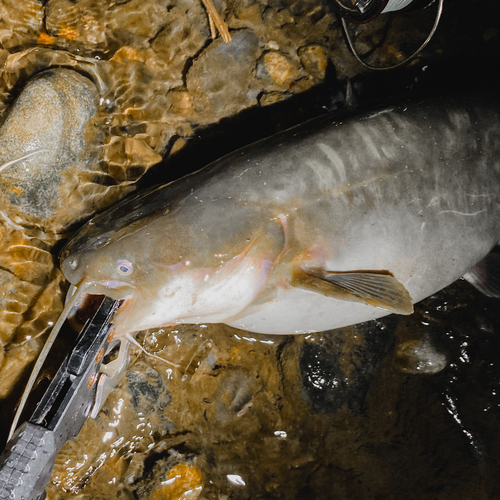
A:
374, 288
485, 275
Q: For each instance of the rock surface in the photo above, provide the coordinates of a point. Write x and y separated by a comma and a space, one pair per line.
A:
42, 136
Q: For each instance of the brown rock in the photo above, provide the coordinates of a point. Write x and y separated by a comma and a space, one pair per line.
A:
315, 60
278, 67
221, 80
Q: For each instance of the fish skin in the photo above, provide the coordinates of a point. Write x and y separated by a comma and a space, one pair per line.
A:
412, 189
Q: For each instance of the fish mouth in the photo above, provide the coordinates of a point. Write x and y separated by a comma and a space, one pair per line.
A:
127, 293
90, 296
117, 289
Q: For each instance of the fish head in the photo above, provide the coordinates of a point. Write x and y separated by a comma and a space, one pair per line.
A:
161, 293
101, 272
170, 271
107, 257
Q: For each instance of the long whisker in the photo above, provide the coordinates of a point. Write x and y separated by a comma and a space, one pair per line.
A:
43, 355
151, 355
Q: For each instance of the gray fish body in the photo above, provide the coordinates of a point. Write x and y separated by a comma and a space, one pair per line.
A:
410, 190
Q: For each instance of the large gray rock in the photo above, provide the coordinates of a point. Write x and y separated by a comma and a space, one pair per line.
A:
44, 134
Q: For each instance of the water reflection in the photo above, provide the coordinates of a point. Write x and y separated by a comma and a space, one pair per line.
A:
354, 413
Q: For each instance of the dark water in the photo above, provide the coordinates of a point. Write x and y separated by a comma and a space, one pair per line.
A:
394, 408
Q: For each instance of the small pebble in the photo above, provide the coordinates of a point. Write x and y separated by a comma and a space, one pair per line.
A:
421, 356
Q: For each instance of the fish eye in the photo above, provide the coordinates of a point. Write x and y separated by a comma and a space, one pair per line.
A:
124, 267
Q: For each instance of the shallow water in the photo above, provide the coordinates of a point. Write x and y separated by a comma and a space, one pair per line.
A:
360, 412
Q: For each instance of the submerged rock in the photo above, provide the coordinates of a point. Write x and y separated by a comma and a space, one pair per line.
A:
43, 135
339, 367
43, 143
421, 357
223, 93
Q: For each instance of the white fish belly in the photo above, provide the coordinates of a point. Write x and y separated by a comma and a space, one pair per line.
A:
296, 310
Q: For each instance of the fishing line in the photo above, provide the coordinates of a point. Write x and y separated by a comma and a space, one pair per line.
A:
393, 6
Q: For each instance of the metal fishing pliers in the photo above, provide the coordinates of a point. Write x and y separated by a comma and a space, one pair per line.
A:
28, 459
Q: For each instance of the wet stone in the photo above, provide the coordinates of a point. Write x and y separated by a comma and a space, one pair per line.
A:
339, 368
278, 67
315, 60
15, 298
19, 22
177, 43
176, 476
148, 391
421, 357
216, 93
43, 135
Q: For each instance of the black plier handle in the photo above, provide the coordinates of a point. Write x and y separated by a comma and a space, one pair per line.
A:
28, 459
